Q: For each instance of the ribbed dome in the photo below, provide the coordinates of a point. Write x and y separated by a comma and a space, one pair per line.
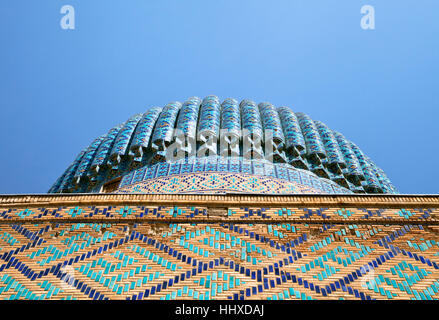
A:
299, 144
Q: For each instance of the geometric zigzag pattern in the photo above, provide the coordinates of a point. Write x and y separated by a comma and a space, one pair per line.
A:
218, 174
218, 182
200, 214
165, 260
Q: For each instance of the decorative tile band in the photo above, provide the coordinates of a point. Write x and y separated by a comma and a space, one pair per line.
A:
235, 174
279, 261
216, 182
218, 200
92, 246
197, 213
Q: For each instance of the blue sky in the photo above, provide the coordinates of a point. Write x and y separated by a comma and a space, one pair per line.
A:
59, 89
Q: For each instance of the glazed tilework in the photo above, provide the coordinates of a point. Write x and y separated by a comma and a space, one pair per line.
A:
270, 120
291, 127
220, 174
67, 179
87, 159
165, 126
230, 115
371, 180
188, 117
204, 251
123, 139
210, 115
217, 182
104, 149
296, 139
142, 135
200, 213
332, 148
353, 166
314, 144
217, 261
251, 118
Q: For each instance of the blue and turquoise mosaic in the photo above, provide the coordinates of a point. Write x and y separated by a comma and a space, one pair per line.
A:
297, 139
279, 261
235, 168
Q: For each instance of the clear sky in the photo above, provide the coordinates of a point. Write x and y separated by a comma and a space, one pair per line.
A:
60, 89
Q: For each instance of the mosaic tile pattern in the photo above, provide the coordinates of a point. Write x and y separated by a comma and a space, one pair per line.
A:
271, 121
164, 130
333, 153
122, 140
200, 213
100, 159
107, 248
371, 182
252, 132
297, 140
314, 144
210, 115
280, 261
235, 175
353, 170
251, 118
67, 179
291, 127
86, 159
142, 135
188, 117
230, 115
205, 182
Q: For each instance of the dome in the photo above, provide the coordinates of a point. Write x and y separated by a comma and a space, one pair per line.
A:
209, 146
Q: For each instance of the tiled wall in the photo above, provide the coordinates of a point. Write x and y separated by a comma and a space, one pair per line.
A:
247, 253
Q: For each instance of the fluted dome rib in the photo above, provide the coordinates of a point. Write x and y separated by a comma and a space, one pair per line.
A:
299, 143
